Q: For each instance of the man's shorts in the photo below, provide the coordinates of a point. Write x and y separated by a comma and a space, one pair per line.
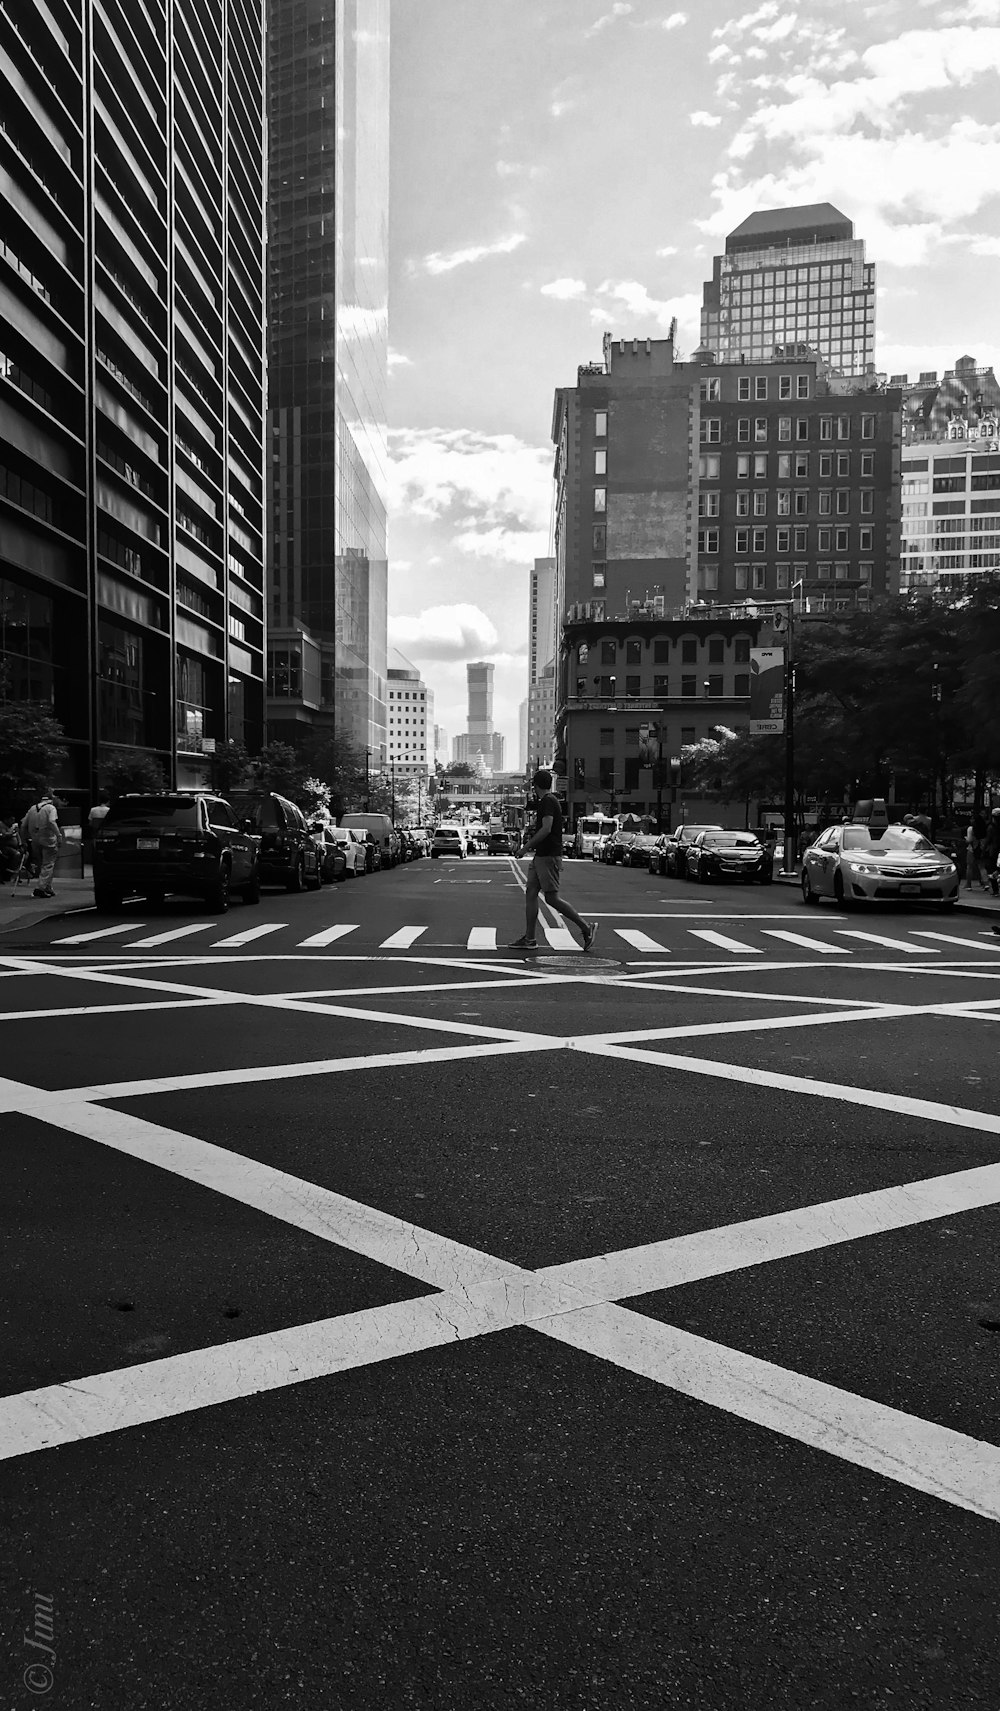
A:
547, 870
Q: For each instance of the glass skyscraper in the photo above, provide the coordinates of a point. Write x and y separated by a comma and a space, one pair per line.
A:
132, 376
328, 194
792, 280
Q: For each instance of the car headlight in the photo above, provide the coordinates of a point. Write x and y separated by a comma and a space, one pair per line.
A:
861, 867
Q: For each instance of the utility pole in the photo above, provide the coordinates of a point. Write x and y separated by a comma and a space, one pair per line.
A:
392, 774
368, 782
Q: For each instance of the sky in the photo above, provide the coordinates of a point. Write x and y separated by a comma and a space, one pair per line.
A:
565, 168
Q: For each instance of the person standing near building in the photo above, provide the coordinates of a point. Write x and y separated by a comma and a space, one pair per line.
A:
42, 833
991, 852
545, 847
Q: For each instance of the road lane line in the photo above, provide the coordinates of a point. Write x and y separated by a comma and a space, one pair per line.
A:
753, 1025
881, 939
807, 944
640, 941
482, 939
100, 933
248, 935
723, 942
328, 936
168, 937
403, 939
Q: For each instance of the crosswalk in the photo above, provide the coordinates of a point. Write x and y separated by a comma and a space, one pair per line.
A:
686, 942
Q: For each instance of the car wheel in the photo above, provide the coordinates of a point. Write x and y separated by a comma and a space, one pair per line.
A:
947, 906
297, 879
434, 855
702, 873
106, 901
808, 894
156, 898
217, 896
316, 882
838, 892
251, 891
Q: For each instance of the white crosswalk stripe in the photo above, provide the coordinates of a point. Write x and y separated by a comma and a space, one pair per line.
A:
724, 942
403, 939
640, 941
881, 939
482, 939
329, 936
560, 938
960, 944
168, 937
807, 944
99, 933
248, 936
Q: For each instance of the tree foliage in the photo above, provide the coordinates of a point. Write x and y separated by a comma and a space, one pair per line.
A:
120, 771
32, 748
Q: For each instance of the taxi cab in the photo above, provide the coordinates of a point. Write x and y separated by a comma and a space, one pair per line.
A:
872, 863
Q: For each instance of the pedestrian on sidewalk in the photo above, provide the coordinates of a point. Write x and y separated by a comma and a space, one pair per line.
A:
991, 852
42, 832
975, 840
545, 848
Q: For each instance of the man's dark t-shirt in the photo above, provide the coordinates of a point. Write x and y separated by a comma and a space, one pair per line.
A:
552, 845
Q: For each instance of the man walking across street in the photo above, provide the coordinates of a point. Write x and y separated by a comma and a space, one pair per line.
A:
41, 832
545, 848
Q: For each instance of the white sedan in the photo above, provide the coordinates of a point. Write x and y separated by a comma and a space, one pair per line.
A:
353, 848
877, 864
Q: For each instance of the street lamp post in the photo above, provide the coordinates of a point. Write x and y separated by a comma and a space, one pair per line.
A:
392, 771
368, 782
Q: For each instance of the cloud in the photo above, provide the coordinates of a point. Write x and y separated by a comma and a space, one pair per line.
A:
709, 120
674, 21
626, 307
619, 10
668, 249
493, 491
460, 632
396, 359
565, 289
441, 262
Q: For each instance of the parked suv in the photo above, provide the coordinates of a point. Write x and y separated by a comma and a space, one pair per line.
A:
172, 842
382, 830
288, 855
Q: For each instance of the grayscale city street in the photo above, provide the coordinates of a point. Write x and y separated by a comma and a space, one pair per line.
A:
390, 1318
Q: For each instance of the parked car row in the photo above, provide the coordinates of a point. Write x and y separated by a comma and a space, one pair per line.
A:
204, 846
688, 852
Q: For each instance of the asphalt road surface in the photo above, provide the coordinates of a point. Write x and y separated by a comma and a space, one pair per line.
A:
392, 1319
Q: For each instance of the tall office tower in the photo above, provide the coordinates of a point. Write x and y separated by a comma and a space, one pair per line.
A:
479, 681
522, 735
792, 281
410, 716
442, 745
328, 205
951, 480
542, 624
131, 376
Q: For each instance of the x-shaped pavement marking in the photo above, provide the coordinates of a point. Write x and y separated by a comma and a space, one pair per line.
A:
476, 1293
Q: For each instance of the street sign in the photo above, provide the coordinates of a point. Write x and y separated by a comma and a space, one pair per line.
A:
767, 691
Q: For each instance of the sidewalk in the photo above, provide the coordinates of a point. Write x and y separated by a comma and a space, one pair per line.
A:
22, 910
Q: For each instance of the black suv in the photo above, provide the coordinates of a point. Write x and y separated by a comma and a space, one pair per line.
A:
288, 854
172, 842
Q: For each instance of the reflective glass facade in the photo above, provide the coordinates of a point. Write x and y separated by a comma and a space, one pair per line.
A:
328, 261
803, 287
131, 374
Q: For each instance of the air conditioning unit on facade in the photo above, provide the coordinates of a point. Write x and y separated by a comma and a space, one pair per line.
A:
597, 611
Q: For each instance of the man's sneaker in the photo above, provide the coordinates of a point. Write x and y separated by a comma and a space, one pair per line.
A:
590, 934
523, 944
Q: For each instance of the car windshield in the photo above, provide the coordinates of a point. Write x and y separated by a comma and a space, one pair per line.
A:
893, 838
731, 840
144, 810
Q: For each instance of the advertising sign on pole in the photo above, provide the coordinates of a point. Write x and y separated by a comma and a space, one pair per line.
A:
767, 691
649, 736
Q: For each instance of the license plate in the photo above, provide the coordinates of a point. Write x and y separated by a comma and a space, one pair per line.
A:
147, 843
908, 889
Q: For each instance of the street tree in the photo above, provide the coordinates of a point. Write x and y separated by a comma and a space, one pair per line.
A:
121, 772
32, 749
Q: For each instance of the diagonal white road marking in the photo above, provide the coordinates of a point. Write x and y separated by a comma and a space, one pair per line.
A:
807, 944
100, 933
167, 938
723, 942
403, 939
328, 936
881, 939
248, 935
640, 941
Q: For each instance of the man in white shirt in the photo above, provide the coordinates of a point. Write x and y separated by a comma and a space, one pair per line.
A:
41, 831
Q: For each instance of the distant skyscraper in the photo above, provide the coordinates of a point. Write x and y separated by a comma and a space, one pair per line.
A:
542, 625
328, 190
792, 280
410, 717
131, 377
522, 736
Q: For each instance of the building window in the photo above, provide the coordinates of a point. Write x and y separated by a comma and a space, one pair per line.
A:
802, 427
843, 463
689, 650
600, 573
689, 687
824, 541
743, 428
784, 466
606, 772
600, 462
802, 386
784, 386
824, 571
600, 499
801, 503
741, 576
782, 576
760, 466
825, 466
826, 427
784, 502
708, 468
760, 386
607, 736
708, 540
633, 685
708, 504
743, 503
716, 651
760, 504
661, 684
744, 388
661, 652
760, 428
608, 653
868, 463
842, 539
600, 424
784, 427
742, 467
708, 578
600, 539
800, 538
709, 390
760, 540
843, 501
741, 650
867, 427
606, 687
743, 540
715, 684
710, 430
866, 541
841, 571
759, 576
865, 572
843, 427
741, 683
633, 652
867, 502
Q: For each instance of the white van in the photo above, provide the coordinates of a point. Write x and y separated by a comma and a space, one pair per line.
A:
382, 831
591, 827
